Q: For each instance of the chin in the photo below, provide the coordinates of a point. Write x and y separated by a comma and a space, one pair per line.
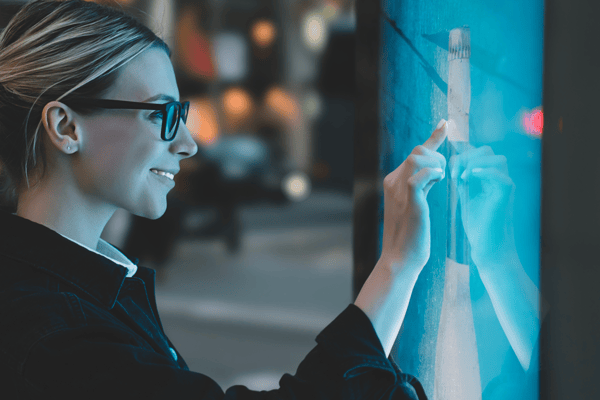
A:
155, 213
151, 211
153, 216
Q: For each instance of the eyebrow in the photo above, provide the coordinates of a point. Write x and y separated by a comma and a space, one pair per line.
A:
160, 97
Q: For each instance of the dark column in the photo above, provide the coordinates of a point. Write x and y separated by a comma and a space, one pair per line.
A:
570, 275
366, 142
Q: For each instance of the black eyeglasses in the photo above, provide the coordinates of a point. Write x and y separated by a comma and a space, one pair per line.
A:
173, 110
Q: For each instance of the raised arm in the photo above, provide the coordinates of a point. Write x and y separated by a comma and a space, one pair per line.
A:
406, 241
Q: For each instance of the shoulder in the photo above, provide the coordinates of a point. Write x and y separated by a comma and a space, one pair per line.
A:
30, 315
29, 298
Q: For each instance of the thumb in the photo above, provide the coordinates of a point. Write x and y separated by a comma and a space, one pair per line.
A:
425, 179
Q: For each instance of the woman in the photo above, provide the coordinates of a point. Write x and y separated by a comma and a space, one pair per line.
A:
90, 122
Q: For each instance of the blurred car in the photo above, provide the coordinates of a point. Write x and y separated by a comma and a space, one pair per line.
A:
253, 169
236, 170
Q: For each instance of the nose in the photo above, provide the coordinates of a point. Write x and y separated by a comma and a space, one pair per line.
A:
184, 143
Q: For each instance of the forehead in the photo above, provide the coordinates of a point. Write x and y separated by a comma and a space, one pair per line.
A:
147, 75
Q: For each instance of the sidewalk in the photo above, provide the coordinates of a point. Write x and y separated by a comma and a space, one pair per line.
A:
302, 273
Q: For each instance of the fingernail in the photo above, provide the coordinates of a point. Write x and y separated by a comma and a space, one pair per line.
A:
441, 123
476, 170
464, 174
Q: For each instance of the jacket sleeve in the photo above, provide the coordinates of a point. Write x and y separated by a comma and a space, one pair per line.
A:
100, 362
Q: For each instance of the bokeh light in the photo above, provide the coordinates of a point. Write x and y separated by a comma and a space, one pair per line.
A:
203, 121
533, 122
238, 107
282, 103
237, 102
296, 186
331, 10
263, 33
314, 31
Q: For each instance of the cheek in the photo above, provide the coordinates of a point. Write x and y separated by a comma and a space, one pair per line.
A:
117, 158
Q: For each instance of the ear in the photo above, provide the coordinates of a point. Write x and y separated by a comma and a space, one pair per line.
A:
59, 126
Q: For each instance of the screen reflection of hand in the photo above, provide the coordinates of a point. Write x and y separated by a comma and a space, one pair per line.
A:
486, 196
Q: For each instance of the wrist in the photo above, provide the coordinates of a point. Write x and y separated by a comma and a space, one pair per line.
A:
502, 254
489, 267
384, 298
396, 267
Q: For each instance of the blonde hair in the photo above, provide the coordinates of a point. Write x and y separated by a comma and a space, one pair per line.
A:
55, 50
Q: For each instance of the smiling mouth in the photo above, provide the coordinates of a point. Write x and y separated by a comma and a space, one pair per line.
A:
163, 173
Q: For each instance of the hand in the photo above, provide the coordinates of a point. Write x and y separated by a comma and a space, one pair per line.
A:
486, 196
406, 224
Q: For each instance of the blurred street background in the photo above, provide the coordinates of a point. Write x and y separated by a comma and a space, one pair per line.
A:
254, 253
251, 317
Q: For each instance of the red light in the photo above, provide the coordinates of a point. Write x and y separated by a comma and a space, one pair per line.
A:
534, 122
193, 46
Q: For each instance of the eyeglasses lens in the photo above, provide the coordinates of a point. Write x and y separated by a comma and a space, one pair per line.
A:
186, 109
174, 113
172, 118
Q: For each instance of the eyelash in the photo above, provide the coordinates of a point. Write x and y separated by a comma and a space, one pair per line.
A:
156, 114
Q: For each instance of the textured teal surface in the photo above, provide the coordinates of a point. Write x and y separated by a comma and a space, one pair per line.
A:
506, 81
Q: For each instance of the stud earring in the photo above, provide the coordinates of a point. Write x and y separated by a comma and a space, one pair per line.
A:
68, 147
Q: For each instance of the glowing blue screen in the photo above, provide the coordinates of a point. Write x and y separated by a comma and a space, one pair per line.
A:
484, 347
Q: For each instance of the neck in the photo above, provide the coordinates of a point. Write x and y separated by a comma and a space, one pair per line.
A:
65, 210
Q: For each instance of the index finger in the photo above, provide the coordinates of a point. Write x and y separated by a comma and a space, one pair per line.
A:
437, 137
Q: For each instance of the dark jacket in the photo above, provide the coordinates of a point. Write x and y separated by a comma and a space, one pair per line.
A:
72, 326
